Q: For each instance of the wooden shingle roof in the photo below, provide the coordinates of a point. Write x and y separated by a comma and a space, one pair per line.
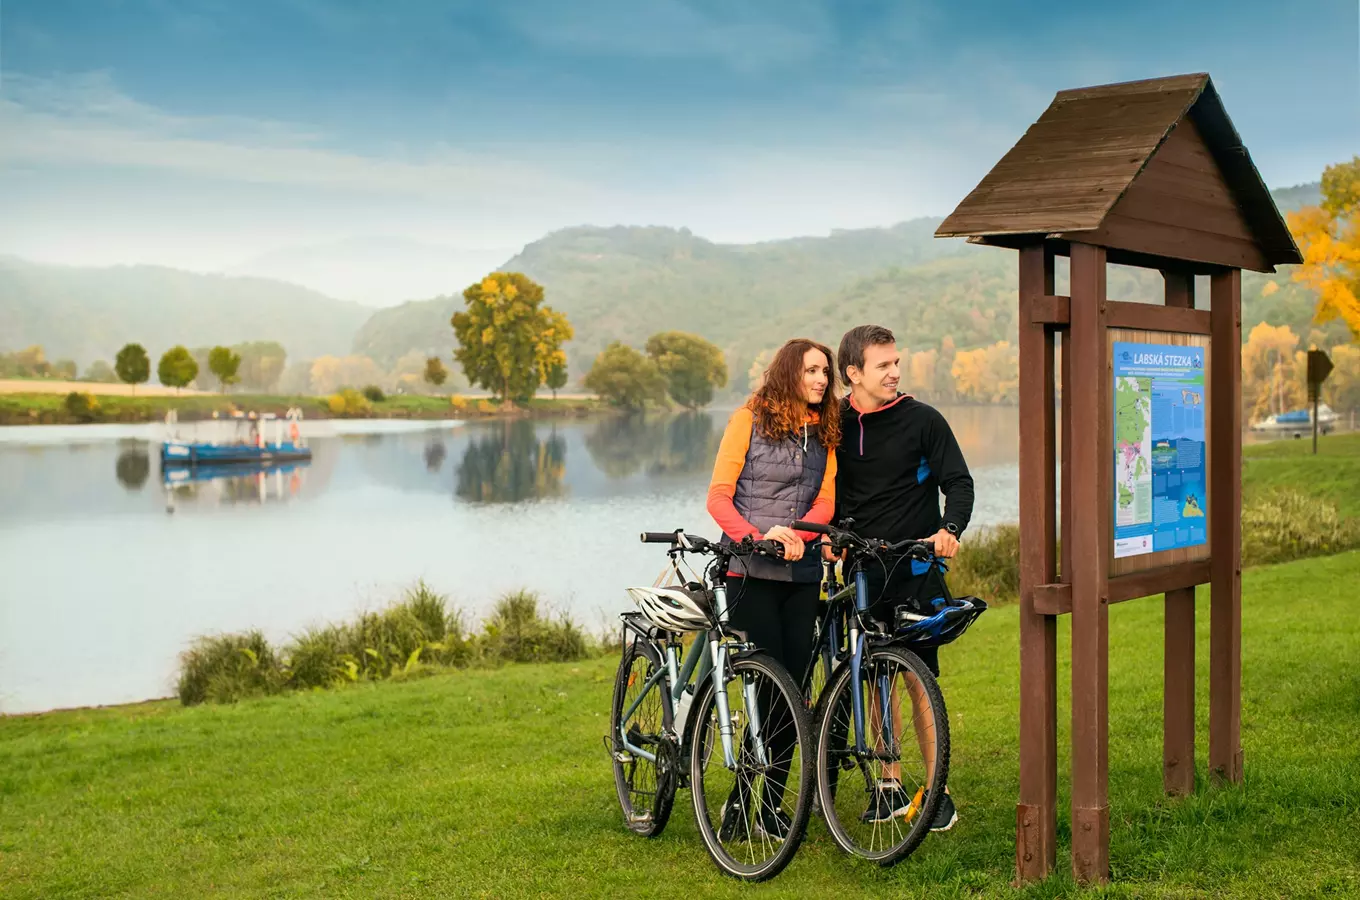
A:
1065, 176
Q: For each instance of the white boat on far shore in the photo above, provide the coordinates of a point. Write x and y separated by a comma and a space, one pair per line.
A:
1298, 422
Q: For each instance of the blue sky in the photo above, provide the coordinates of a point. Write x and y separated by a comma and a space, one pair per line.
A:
202, 132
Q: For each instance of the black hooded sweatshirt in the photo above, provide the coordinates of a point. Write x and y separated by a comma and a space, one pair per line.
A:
891, 466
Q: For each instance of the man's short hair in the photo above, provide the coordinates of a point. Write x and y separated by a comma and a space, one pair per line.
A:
853, 343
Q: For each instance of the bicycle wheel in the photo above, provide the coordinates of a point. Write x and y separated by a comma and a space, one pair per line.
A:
752, 817
646, 787
879, 803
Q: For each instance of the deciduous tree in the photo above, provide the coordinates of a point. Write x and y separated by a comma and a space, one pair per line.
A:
132, 365
1329, 238
508, 340
623, 377
223, 363
177, 368
692, 366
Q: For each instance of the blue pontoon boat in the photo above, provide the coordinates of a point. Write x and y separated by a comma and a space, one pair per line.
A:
263, 438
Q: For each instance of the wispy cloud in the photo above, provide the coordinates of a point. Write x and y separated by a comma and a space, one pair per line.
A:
85, 120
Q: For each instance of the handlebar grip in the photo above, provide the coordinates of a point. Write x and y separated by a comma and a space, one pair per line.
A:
814, 527
658, 537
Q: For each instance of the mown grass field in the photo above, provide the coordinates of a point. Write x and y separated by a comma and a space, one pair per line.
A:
494, 783
1333, 474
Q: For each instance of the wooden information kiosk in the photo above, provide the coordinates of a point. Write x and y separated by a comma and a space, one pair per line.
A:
1150, 174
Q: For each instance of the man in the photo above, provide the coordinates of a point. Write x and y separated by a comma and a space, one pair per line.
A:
896, 455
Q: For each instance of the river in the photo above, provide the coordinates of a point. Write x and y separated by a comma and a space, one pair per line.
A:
107, 573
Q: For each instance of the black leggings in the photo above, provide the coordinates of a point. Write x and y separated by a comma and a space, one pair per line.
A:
779, 618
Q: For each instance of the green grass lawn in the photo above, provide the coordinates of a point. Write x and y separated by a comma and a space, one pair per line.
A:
494, 782
1333, 474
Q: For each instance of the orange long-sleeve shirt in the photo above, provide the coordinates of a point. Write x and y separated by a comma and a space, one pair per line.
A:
736, 440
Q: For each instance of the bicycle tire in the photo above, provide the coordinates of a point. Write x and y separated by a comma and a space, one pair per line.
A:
704, 706
651, 822
828, 774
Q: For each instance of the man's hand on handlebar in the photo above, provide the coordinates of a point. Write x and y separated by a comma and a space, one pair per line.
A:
793, 544
946, 545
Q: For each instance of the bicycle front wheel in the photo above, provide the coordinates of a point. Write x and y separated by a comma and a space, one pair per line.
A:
753, 814
880, 796
646, 787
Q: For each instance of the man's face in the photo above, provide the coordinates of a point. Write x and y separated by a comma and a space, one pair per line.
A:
881, 372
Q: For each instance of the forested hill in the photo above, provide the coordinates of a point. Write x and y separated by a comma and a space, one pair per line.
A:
86, 314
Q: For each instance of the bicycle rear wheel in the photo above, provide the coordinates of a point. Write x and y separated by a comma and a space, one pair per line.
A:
878, 802
646, 788
752, 818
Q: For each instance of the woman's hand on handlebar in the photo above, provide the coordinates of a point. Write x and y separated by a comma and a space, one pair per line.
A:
793, 544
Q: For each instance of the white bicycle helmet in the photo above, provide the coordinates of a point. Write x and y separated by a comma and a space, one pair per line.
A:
674, 608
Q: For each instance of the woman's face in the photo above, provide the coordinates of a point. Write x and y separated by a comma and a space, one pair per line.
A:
816, 376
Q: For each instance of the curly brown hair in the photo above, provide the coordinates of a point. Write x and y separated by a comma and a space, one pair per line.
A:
778, 405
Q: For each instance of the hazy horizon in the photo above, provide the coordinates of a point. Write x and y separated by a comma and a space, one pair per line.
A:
255, 137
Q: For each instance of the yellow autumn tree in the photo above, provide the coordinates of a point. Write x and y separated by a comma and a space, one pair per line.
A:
1329, 238
987, 374
921, 372
1341, 390
508, 341
1271, 380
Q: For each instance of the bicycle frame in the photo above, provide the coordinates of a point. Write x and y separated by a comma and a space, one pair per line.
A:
706, 658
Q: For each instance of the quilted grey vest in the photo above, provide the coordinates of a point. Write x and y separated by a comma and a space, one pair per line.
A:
778, 484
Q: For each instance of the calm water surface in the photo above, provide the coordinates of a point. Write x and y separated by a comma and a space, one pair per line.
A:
107, 572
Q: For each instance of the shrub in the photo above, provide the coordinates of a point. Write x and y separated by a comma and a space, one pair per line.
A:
517, 633
458, 402
486, 407
374, 393
81, 406
1286, 524
988, 565
349, 403
230, 667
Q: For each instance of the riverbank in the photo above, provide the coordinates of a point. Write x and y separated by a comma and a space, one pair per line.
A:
493, 782
52, 408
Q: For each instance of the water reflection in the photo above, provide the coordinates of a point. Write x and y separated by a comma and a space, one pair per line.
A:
511, 463
133, 468
435, 454
233, 485
678, 445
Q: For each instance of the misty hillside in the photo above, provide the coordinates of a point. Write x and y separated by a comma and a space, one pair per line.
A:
89, 313
376, 271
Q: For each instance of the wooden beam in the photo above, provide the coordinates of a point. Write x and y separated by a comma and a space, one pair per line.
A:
1055, 599
1148, 317
1090, 566
1049, 310
1178, 645
1225, 527
1036, 822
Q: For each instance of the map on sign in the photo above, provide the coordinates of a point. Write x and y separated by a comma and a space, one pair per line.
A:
1159, 485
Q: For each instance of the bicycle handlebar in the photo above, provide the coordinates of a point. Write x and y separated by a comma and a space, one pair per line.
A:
658, 537
842, 538
695, 544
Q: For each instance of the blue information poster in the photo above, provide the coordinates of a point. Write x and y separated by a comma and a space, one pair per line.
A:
1159, 485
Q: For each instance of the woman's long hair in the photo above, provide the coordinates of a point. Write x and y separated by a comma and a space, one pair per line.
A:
778, 405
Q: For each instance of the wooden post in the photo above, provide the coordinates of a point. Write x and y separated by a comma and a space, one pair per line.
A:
1178, 659
1036, 813
1091, 479
1225, 526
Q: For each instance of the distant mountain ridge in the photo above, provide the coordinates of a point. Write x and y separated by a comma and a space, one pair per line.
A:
89, 313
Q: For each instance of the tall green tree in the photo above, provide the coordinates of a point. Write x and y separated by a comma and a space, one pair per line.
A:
557, 378
508, 340
692, 366
223, 363
435, 373
623, 377
132, 365
262, 363
177, 367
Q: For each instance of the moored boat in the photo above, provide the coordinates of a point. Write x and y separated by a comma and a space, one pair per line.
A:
259, 439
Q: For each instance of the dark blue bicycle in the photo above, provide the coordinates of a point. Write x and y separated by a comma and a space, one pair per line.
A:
882, 729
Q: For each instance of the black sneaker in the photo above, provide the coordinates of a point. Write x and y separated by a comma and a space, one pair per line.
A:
773, 823
946, 815
889, 801
734, 824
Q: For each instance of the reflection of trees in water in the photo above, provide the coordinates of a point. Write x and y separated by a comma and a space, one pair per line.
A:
434, 456
133, 468
510, 464
672, 445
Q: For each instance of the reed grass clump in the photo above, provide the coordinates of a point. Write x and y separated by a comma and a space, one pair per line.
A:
1284, 524
419, 634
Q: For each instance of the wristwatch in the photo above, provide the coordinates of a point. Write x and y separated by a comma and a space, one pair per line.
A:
952, 528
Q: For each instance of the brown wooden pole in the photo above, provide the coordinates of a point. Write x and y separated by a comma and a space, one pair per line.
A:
1091, 462
1036, 814
1178, 659
1225, 527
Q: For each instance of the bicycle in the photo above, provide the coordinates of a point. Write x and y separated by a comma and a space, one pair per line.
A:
727, 707
870, 669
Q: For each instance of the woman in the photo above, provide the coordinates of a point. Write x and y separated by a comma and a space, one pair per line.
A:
777, 464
